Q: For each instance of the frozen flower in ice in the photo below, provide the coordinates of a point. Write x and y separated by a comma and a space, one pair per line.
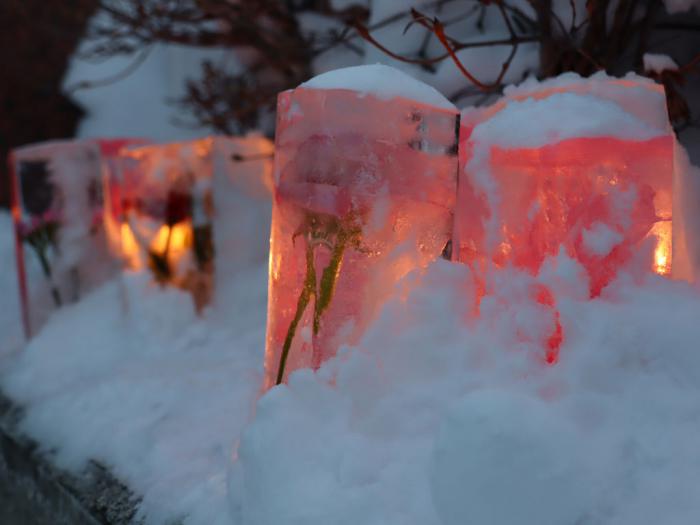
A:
38, 191
178, 207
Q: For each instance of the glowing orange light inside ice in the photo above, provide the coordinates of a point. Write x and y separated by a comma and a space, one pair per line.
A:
129, 246
662, 252
274, 264
176, 239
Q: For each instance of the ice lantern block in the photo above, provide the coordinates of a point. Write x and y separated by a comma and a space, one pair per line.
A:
162, 201
365, 185
57, 205
583, 164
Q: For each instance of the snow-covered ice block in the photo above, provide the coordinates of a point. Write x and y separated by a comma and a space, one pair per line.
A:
365, 181
57, 207
166, 198
586, 164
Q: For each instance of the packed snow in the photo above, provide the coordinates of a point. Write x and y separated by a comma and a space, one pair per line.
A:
132, 378
658, 63
433, 420
382, 81
559, 117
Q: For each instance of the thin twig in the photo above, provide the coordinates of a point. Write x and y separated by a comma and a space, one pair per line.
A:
690, 65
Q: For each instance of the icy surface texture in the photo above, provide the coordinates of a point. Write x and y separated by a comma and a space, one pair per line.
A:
61, 246
165, 205
686, 219
583, 164
364, 189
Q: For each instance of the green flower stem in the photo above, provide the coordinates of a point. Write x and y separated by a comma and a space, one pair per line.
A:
329, 279
307, 291
39, 240
47, 272
337, 235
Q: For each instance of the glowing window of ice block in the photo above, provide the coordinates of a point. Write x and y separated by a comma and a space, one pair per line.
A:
112, 188
583, 164
364, 192
57, 204
165, 206
592, 171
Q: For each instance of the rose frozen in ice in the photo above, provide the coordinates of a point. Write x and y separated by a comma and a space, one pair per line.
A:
330, 181
178, 207
39, 202
41, 234
38, 192
335, 175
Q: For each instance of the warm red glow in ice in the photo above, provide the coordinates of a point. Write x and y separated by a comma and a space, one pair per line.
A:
597, 197
544, 297
606, 201
662, 252
363, 193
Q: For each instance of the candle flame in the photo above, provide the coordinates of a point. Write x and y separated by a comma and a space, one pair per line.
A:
176, 246
180, 238
129, 247
662, 252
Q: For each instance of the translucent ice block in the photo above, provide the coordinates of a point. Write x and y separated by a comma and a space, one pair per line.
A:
364, 190
164, 202
583, 164
594, 190
57, 206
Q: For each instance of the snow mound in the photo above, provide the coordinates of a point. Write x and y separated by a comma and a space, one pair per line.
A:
559, 117
520, 471
153, 392
658, 63
634, 94
435, 420
384, 82
600, 80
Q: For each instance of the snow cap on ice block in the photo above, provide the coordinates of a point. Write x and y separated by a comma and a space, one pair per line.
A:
365, 181
57, 207
583, 164
166, 206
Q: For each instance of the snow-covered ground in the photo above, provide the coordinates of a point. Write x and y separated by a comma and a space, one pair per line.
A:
432, 420
452, 423
131, 377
